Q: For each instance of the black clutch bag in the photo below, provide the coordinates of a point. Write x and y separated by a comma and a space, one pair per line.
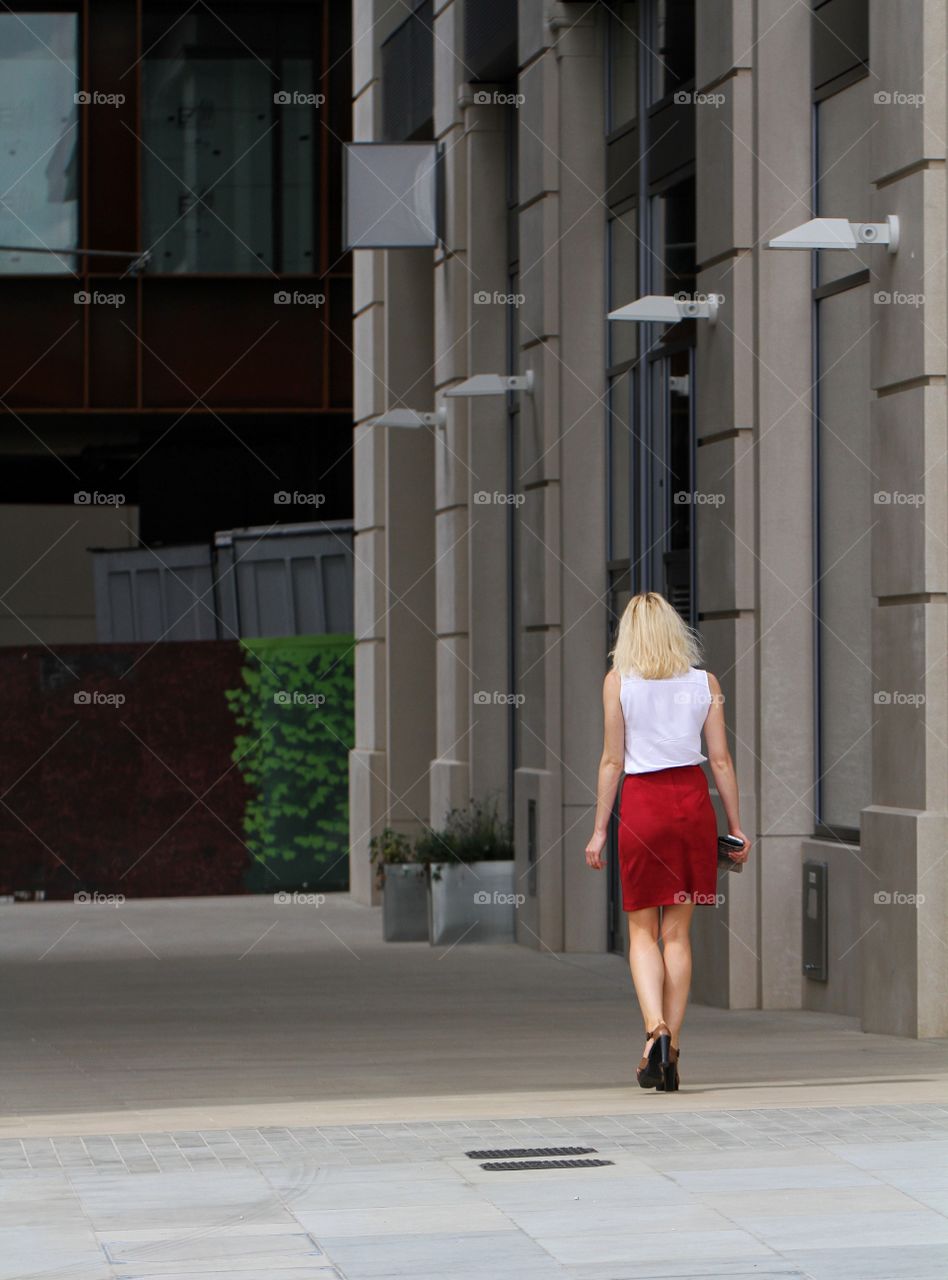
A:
725, 861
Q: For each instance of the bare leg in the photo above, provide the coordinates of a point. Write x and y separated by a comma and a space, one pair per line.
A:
676, 950
648, 969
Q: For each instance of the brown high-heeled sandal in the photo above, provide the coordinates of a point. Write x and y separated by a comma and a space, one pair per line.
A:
650, 1073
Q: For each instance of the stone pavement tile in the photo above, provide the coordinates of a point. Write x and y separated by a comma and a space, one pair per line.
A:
225, 1249
710, 1269
886, 1262
845, 1231
419, 1219
749, 1158
505, 1255
776, 1178
744, 1207
511, 1195
630, 1246
214, 1271
927, 1179
612, 1220
373, 1193
346, 1175
193, 1199
56, 1250
932, 1198
894, 1155
35, 1200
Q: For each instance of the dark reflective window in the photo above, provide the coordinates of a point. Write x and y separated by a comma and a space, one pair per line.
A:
624, 45
673, 244
230, 112
672, 58
39, 159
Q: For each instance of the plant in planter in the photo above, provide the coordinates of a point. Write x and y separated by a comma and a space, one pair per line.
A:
402, 880
470, 865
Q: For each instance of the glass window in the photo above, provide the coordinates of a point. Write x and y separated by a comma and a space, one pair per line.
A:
39, 159
624, 44
845, 588
230, 107
673, 247
664, 535
672, 56
620, 465
623, 285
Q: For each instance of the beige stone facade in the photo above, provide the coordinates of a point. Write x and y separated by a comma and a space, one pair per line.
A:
815, 420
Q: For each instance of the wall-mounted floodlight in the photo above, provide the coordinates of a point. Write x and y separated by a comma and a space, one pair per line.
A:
838, 233
391, 195
411, 418
665, 307
493, 384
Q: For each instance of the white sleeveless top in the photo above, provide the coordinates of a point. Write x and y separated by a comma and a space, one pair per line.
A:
664, 719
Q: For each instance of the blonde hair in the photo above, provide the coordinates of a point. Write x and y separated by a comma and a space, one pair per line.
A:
653, 640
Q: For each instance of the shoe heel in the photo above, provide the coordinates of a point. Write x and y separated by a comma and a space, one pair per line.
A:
669, 1071
664, 1046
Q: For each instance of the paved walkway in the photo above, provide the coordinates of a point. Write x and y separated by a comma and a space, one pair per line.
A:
231, 1087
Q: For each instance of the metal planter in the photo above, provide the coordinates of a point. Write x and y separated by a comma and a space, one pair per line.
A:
405, 904
472, 902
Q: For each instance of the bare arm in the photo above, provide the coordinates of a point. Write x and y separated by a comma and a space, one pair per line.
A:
722, 766
611, 766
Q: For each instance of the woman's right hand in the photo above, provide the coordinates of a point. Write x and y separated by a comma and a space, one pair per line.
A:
740, 855
594, 850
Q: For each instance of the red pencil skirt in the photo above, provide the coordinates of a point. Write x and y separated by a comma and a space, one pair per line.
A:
668, 838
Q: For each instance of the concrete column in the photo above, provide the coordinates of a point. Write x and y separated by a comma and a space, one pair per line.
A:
449, 773
578, 658
905, 831
727, 940
394, 536
783, 563
539, 775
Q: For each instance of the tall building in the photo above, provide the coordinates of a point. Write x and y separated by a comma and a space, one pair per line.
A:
175, 293
777, 469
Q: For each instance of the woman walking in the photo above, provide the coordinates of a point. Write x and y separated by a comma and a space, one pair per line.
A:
656, 703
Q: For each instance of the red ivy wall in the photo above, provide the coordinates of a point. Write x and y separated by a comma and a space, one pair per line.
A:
137, 797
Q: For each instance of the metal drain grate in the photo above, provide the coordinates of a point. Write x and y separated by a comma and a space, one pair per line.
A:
505, 1165
518, 1153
